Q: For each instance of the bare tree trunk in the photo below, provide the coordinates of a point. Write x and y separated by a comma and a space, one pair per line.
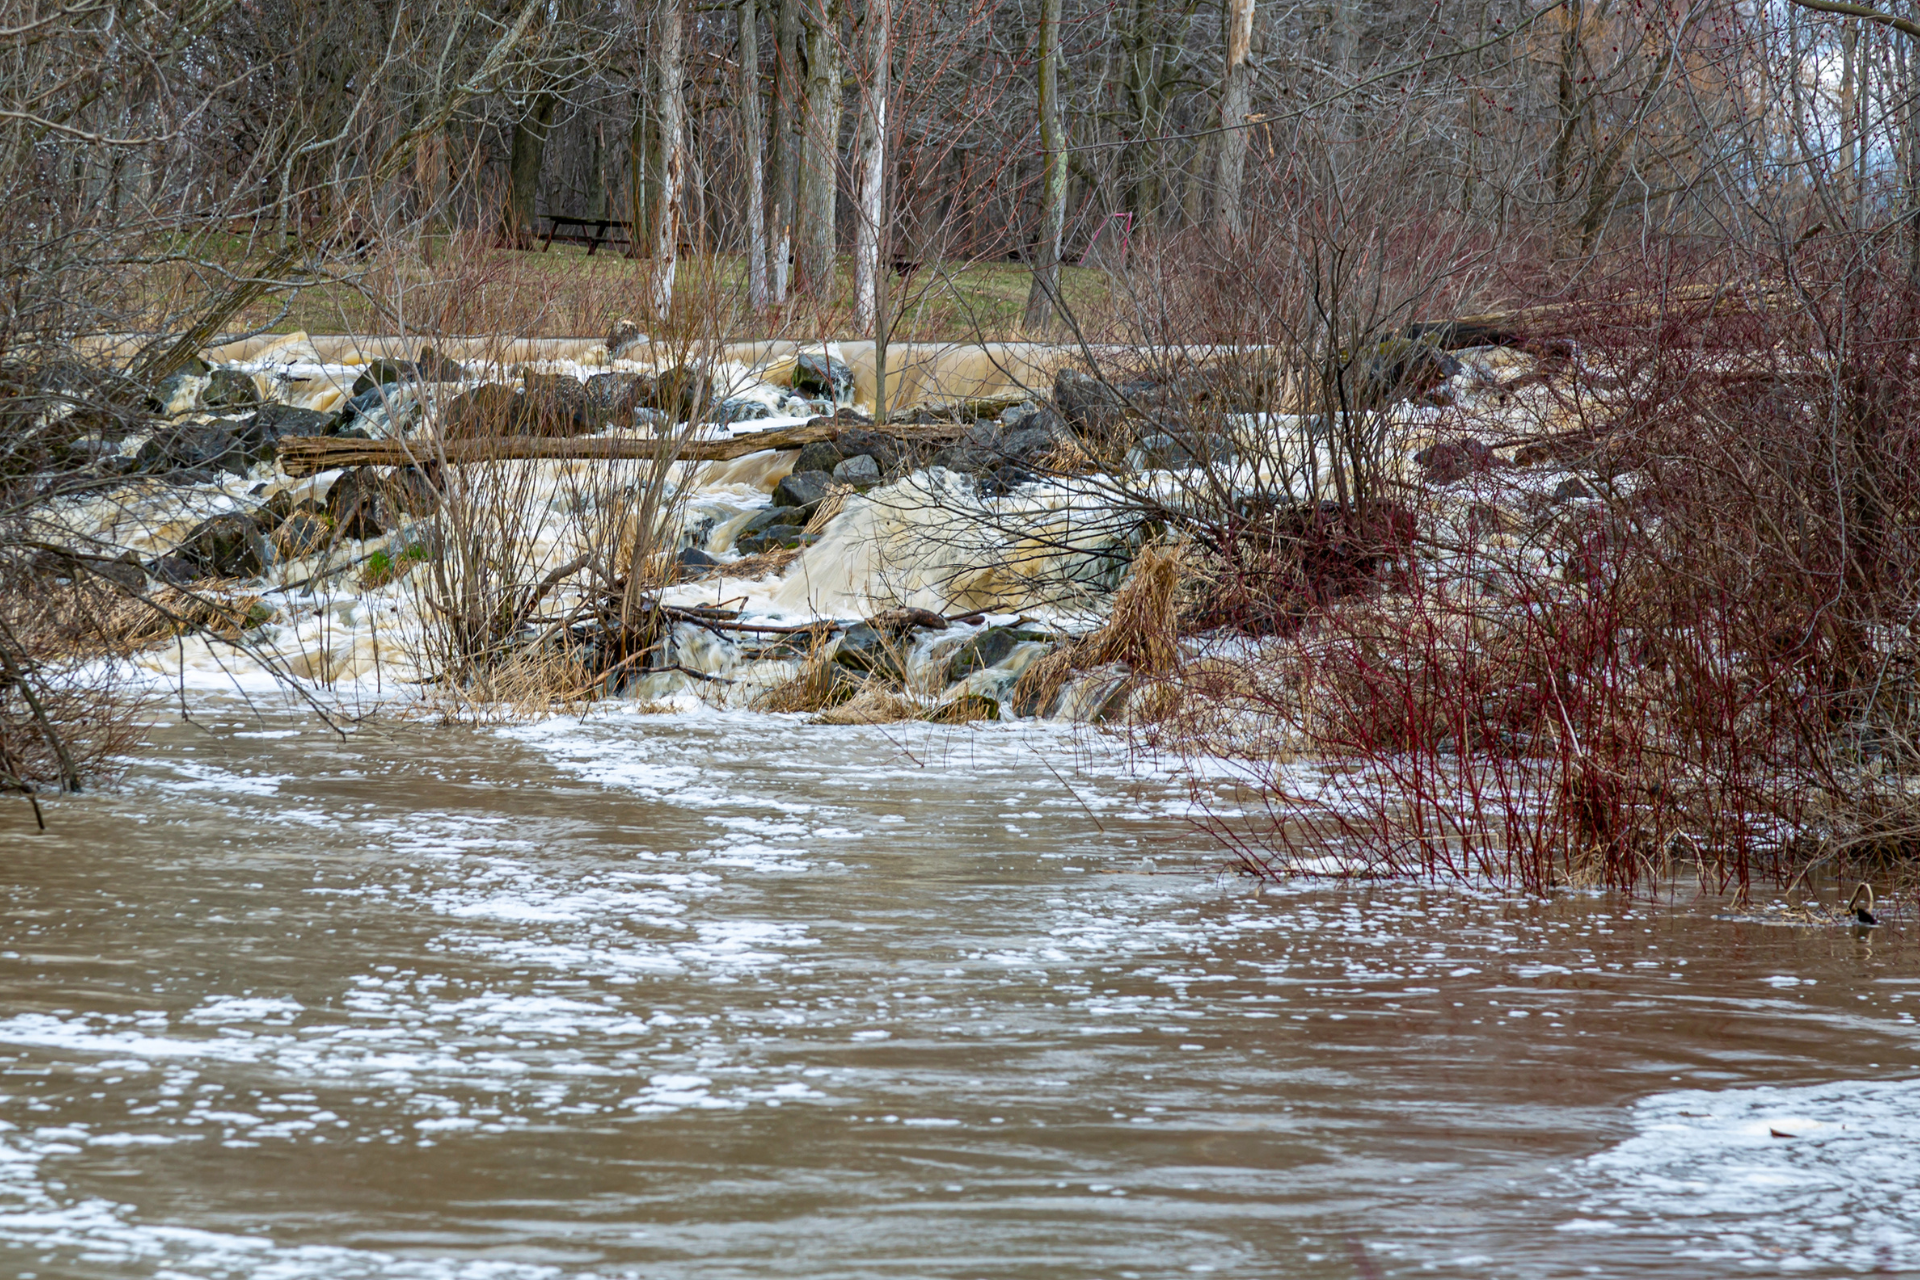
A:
1141, 76
870, 173
1236, 100
820, 148
784, 158
596, 184
756, 154
1043, 295
671, 100
528, 148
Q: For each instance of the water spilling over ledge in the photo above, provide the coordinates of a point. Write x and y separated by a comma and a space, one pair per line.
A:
926, 562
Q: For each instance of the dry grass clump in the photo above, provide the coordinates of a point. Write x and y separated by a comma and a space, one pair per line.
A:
1142, 634
874, 703
517, 686
821, 684
830, 506
223, 611
1039, 687
761, 564
1143, 631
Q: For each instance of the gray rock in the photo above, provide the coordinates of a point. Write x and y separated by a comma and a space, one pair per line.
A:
968, 459
615, 398
227, 546
364, 503
261, 434
773, 536
434, 367
860, 471
761, 519
802, 489
381, 373
229, 389
743, 409
679, 392
878, 445
300, 534
176, 570
380, 410
549, 405
815, 373
821, 455
1092, 407
693, 558
864, 647
988, 649
354, 504
177, 393
200, 446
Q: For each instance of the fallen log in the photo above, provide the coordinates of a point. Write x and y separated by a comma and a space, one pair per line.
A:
305, 455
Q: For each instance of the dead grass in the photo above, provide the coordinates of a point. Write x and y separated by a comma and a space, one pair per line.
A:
875, 703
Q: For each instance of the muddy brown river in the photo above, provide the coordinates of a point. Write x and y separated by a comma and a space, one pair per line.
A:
741, 997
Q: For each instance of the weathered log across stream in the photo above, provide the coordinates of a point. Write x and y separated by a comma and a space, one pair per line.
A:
306, 455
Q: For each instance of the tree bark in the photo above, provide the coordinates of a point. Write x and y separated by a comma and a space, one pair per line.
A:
820, 148
756, 154
1236, 100
870, 172
1044, 293
671, 100
784, 155
528, 148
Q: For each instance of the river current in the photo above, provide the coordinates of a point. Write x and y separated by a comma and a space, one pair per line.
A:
725, 995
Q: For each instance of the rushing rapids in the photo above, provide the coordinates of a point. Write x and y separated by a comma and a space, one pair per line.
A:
966, 566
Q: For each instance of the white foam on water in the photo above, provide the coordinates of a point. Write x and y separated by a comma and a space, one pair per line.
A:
94, 1236
1819, 1178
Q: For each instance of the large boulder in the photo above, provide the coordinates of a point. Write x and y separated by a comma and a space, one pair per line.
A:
1025, 434
680, 392
303, 533
802, 489
859, 471
817, 374
229, 389
821, 455
434, 367
261, 434
743, 409
364, 503
204, 448
886, 451
385, 410
490, 409
227, 546
554, 404
614, 399
879, 645
382, 373
1094, 407
546, 405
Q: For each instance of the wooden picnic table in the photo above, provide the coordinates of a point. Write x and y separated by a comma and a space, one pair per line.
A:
622, 232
